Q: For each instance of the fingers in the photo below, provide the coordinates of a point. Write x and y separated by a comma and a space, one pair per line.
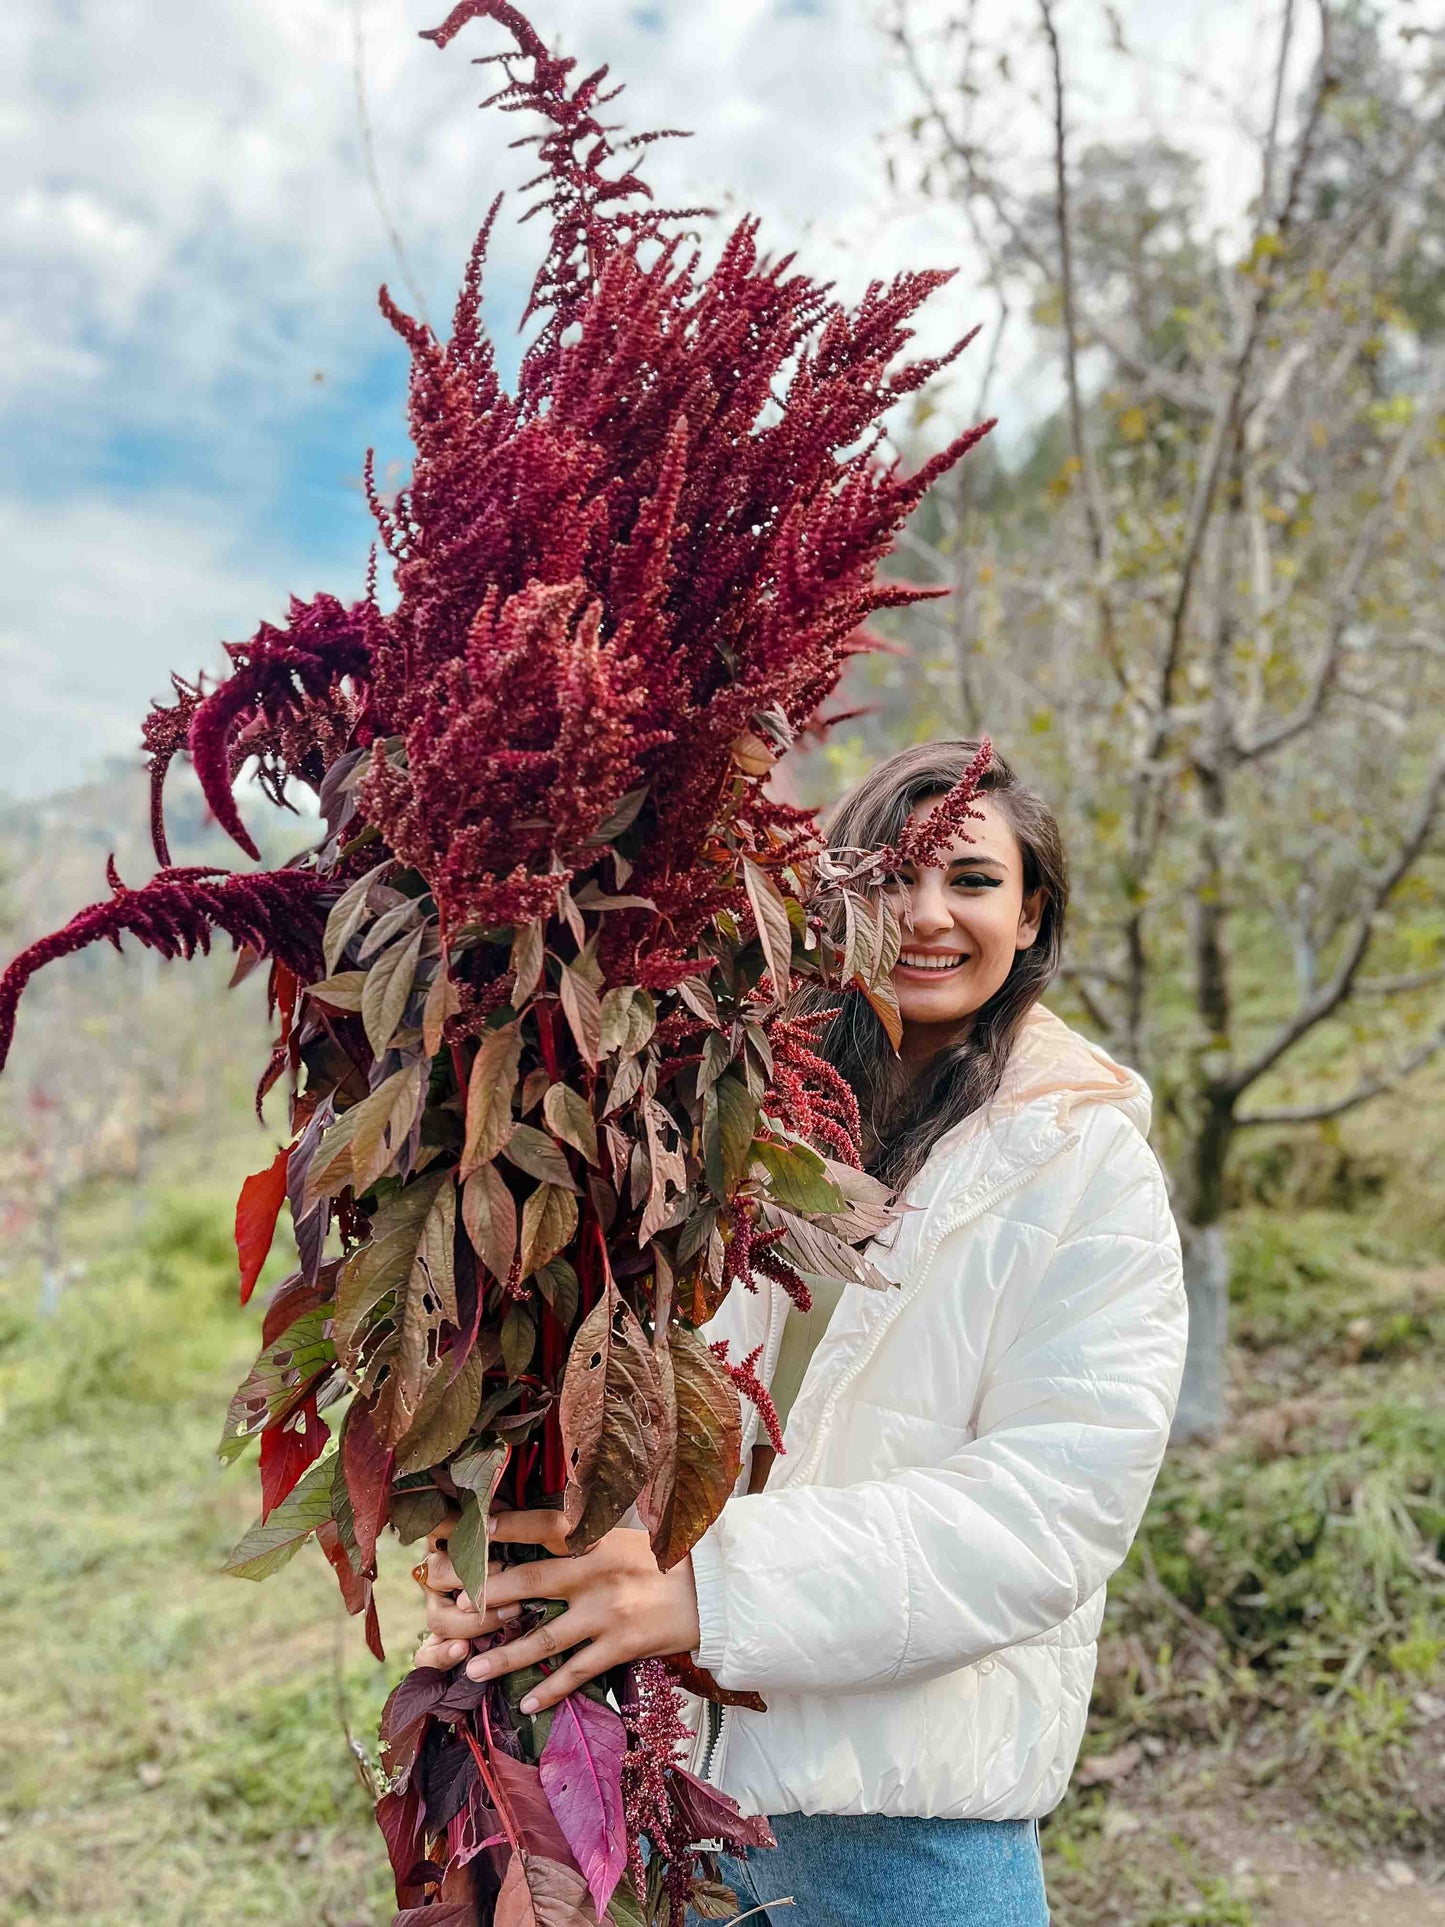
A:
543, 1527
441, 1574
539, 1579
441, 1654
587, 1663
436, 1539
556, 1636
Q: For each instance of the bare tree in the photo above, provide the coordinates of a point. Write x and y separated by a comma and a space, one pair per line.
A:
1213, 599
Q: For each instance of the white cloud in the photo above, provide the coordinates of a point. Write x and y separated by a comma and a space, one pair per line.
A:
191, 239
97, 605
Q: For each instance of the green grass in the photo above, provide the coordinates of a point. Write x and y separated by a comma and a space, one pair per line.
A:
173, 1740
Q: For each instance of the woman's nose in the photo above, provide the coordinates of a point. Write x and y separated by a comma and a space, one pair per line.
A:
927, 910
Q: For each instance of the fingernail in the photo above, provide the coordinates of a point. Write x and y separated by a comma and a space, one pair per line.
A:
508, 1612
529, 1704
478, 1668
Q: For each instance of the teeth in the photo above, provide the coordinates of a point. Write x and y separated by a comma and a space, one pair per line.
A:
916, 961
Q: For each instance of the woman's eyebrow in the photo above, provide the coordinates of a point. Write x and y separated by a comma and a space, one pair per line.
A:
976, 863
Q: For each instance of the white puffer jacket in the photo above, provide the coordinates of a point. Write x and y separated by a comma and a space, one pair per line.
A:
917, 1592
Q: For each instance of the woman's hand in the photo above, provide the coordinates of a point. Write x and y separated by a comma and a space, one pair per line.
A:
451, 1621
620, 1607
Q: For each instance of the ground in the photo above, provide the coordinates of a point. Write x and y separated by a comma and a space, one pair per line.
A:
1267, 1746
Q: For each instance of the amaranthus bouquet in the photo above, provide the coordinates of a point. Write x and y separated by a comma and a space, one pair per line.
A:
548, 1098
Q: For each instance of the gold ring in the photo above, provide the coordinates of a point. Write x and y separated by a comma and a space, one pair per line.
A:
418, 1572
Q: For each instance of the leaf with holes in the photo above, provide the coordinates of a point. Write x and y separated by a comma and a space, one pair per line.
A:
279, 1379
383, 1264
490, 1084
429, 1299
611, 1414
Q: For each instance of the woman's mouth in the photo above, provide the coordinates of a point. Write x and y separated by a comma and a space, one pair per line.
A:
935, 963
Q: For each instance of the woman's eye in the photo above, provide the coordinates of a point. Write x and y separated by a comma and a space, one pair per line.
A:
976, 880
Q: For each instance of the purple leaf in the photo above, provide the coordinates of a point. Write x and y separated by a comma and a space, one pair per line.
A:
581, 1768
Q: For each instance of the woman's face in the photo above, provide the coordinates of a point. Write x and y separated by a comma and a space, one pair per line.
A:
963, 920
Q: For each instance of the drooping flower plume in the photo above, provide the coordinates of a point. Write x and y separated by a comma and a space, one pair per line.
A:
547, 1096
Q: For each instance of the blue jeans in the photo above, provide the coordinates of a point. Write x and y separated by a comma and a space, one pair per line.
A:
873, 1869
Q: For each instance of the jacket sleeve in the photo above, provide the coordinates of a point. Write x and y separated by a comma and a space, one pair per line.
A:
933, 1567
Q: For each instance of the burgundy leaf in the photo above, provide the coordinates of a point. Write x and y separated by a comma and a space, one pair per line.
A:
581, 1773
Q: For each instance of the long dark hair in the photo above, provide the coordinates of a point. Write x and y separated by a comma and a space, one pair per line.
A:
903, 1118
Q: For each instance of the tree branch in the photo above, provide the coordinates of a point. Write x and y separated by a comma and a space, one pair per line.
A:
1331, 995
1366, 1089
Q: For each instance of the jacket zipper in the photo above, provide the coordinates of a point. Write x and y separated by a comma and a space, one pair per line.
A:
713, 1751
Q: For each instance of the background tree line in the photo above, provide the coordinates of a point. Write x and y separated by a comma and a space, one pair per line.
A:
1203, 608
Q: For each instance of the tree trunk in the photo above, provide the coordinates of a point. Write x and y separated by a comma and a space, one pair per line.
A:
1201, 1413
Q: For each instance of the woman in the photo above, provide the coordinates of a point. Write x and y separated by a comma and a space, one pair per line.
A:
916, 1586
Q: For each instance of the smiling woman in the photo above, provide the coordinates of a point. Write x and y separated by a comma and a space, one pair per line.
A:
900, 1601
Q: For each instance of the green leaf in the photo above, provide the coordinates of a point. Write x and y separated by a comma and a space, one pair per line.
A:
557, 1282
330, 1168
383, 1264
388, 985
797, 1177
624, 1909
489, 1215
278, 1379
539, 1156
392, 923
771, 915
729, 1119
490, 1085
348, 913
266, 1548
699, 999
467, 1550
570, 1117
526, 962
519, 1340
629, 1017
480, 1470
621, 816
583, 1012
549, 1218
415, 1514
383, 1123
342, 992
445, 1415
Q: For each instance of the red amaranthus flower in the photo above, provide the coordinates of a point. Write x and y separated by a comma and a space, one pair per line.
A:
548, 1098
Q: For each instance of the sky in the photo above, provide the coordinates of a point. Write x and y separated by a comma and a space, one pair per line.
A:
198, 209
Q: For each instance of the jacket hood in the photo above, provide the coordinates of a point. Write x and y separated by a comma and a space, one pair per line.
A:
1051, 1060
